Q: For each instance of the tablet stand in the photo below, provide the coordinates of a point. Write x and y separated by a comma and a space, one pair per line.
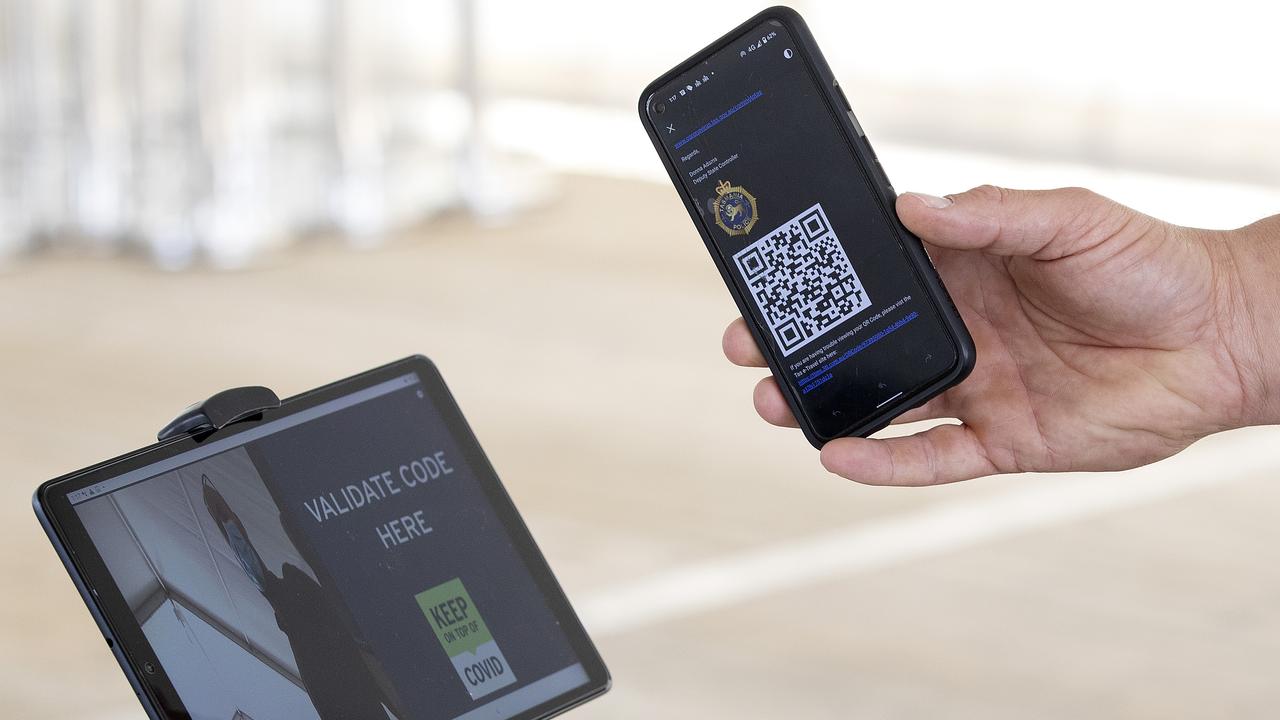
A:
220, 410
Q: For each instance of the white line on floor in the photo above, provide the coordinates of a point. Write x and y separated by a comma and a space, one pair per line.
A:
937, 530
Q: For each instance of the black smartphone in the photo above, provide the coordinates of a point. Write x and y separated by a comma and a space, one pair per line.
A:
797, 213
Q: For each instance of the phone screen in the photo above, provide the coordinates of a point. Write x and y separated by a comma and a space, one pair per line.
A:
801, 229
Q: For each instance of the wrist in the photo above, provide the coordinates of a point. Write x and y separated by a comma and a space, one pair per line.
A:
1247, 279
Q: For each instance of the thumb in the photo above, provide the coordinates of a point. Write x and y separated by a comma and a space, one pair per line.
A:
1042, 224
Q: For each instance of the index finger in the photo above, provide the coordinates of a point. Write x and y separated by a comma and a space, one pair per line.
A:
740, 347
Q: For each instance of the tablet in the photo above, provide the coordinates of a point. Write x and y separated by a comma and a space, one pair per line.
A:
349, 555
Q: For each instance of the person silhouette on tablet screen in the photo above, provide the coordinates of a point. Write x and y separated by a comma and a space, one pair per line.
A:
330, 662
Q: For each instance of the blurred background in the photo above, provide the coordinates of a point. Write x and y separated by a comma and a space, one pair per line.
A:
198, 195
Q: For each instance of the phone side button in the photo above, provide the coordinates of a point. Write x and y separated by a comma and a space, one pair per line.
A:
880, 173
874, 156
856, 125
844, 99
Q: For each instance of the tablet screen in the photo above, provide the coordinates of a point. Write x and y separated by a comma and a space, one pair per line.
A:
342, 561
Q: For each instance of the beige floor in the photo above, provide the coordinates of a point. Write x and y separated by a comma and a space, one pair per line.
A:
583, 344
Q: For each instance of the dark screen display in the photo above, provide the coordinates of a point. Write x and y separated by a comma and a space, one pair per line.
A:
342, 562
800, 229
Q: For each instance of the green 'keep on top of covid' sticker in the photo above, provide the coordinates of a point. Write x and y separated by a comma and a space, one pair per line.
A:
454, 618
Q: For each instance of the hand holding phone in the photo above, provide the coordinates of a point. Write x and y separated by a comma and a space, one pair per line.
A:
1091, 361
796, 212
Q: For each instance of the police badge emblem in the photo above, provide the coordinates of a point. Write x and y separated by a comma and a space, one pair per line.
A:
734, 208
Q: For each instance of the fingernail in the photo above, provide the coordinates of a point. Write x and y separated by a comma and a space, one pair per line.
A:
932, 201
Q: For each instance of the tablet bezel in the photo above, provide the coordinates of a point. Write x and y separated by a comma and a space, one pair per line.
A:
124, 634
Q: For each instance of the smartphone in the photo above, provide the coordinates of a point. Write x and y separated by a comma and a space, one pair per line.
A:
798, 215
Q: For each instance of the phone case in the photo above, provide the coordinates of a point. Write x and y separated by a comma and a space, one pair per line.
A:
870, 165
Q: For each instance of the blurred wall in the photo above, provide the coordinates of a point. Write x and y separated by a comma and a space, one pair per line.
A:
1177, 87
217, 131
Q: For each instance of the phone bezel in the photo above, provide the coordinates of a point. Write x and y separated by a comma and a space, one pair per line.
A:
125, 636
807, 50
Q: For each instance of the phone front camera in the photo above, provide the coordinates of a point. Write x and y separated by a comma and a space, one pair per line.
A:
660, 108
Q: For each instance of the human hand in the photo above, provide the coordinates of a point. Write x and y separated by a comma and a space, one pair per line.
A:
1106, 339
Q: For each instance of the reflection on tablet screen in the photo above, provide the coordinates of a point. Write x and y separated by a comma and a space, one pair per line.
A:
340, 562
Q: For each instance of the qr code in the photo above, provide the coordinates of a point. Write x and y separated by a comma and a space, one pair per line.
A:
802, 280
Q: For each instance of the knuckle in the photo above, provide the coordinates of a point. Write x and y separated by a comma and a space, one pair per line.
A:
1080, 195
1096, 218
990, 193
1089, 203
